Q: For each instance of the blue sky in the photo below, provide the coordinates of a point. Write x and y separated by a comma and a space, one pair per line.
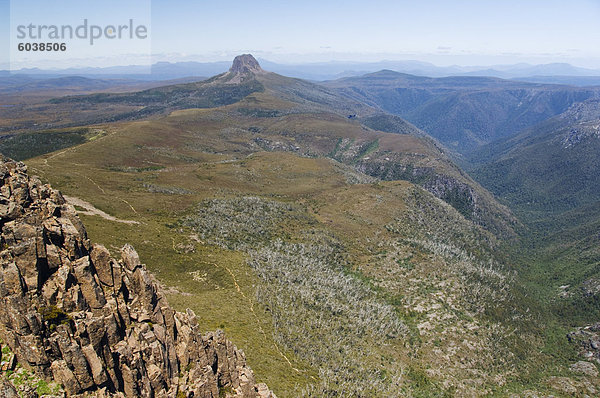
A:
466, 32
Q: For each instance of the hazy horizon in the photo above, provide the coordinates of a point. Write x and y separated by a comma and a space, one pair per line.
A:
308, 62
464, 33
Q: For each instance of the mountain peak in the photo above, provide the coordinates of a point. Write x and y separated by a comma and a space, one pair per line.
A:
245, 64
245, 67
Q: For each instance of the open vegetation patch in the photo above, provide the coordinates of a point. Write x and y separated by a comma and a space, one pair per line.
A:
326, 315
28, 145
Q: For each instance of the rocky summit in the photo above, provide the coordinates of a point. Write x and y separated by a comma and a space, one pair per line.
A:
98, 325
245, 67
245, 64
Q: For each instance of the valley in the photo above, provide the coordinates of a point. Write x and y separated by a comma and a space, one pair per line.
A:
462, 112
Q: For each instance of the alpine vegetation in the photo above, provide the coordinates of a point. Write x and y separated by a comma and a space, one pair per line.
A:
323, 313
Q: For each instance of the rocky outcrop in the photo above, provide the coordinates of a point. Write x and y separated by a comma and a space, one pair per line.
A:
73, 314
244, 68
7, 390
587, 339
245, 64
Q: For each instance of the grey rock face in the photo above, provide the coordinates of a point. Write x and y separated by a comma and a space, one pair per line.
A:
585, 367
245, 64
7, 390
73, 314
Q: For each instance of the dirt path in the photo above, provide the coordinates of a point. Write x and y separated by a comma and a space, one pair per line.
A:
91, 210
256, 318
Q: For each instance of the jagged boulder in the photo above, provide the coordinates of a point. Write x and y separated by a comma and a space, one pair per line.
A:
73, 314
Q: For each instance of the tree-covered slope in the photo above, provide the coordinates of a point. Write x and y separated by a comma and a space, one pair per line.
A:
462, 112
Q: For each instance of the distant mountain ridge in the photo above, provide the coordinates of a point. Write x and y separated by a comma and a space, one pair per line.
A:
561, 72
17, 85
463, 112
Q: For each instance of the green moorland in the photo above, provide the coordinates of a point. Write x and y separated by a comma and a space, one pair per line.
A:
334, 282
